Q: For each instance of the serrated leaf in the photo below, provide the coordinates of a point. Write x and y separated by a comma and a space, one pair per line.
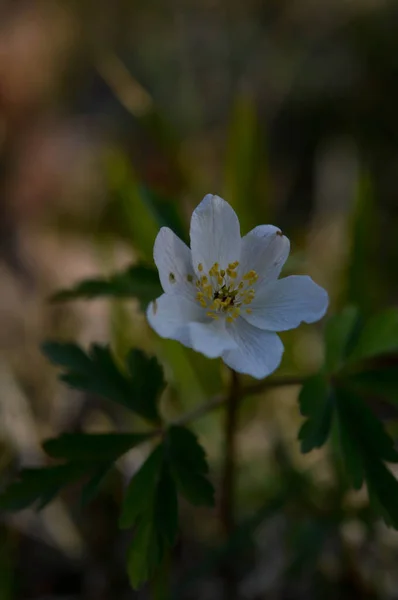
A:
95, 447
383, 492
350, 453
375, 378
139, 281
141, 489
379, 336
66, 354
39, 486
165, 212
364, 426
147, 380
189, 466
366, 447
91, 488
98, 373
315, 403
340, 334
151, 504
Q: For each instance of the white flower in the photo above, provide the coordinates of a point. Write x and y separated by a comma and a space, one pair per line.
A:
223, 297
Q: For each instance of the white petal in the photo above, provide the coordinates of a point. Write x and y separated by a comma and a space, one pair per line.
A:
211, 339
259, 352
178, 318
285, 303
215, 234
170, 315
173, 260
264, 250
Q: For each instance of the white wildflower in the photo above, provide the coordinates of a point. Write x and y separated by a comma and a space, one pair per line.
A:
223, 297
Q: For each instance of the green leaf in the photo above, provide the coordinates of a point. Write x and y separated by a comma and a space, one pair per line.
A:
340, 334
365, 447
315, 403
141, 489
39, 486
150, 504
97, 373
91, 488
94, 447
138, 281
189, 466
375, 378
165, 211
67, 355
379, 335
147, 381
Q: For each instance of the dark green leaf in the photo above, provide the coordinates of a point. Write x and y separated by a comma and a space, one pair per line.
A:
93, 447
91, 488
383, 491
145, 553
138, 281
341, 331
379, 335
365, 447
67, 355
98, 373
166, 507
150, 504
147, 382
189, 466
141, 489
39, 485
350, 453
375, 378
165, 211
316, 404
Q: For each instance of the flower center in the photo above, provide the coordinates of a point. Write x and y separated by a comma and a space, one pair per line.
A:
221, 294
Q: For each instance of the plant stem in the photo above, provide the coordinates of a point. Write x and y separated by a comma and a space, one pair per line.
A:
241, 391
228, 481
227, 501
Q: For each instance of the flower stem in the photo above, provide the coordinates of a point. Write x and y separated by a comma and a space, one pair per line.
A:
227, 501
228, 480
241, 391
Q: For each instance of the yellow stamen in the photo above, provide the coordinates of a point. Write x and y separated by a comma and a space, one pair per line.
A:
249, 311
250, 275
200, 267
189, 278
208, 290
222, 273
212, 315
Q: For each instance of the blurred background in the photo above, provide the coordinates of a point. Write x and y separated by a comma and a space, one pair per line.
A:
117, 117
